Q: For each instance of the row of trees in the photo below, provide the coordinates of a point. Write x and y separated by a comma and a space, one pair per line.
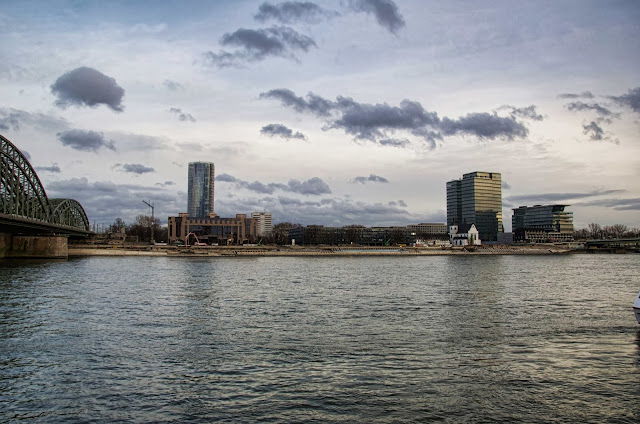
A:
596, 232
141, 228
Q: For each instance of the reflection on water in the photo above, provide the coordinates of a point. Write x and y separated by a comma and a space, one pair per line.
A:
455, 338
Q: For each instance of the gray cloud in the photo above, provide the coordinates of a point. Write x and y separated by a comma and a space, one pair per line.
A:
279, 130
485, 126
339, 211
374, 122
632, 204
370, 178
528, 112
86, 86
393, 142
313, 186
16, 119
599, 109
313, 103
506, 185
291, 11
385, 11
630, 100
226, 178
53, 168
596, 133
104, 201
172, 85
86, 141
583, 95
543, 198
182, 115
136, 168
256, 45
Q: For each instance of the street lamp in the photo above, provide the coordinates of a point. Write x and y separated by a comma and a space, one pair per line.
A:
152, 219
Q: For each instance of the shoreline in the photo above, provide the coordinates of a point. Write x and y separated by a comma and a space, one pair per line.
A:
333, 251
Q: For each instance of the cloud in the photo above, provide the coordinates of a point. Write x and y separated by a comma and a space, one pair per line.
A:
370, 178
172, 85
528, 112
279, 130
584, 94
290, 11
632, 204
16, 119
385, 11
485, 126
313, 103
135, 168
599, 109
86, 141
86, 86
53, 168
313, 186
375, 122
596, 133
123, 200
506, 185
182, 115
542, 198
258, 44
630, 100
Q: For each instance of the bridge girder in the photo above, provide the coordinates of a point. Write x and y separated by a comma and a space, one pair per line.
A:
68, 212
22, 194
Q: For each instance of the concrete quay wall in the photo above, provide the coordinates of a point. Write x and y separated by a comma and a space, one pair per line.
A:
45, 247
243, 251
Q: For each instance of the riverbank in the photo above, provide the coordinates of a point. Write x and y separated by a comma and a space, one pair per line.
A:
235, 251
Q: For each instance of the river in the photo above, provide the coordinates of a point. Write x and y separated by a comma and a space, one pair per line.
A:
312, 339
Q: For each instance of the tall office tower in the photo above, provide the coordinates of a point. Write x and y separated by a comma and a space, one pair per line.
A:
477, 199
200, 190
263, 222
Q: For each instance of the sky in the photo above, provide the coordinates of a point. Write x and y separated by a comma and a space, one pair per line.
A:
326, 112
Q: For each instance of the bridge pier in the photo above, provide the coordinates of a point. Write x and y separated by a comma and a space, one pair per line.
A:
41, 247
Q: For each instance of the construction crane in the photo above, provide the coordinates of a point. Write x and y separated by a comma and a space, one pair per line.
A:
152, 218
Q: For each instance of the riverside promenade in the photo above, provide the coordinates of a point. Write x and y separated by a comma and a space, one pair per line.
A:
322, 250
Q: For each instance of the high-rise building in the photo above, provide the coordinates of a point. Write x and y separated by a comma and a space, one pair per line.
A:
542, 224
477, 199
263, 222
200, 190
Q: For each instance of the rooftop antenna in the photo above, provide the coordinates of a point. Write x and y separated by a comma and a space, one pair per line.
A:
152, 218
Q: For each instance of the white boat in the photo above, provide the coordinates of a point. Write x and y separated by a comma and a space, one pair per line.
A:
636, 308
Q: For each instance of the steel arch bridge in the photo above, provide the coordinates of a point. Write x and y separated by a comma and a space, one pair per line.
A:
24, 203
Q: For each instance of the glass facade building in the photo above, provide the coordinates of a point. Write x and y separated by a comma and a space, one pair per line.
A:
542, 224
200, 189
477, 199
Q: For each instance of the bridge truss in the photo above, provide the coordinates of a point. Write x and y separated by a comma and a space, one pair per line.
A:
24, 200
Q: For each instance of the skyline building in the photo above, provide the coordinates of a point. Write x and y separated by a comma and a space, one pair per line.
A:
542, 224
264, 222
200, 189
477, 199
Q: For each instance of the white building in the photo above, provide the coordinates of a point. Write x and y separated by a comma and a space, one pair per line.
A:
263, 223
464, 235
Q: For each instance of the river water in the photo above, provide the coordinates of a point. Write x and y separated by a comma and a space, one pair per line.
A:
336, 340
